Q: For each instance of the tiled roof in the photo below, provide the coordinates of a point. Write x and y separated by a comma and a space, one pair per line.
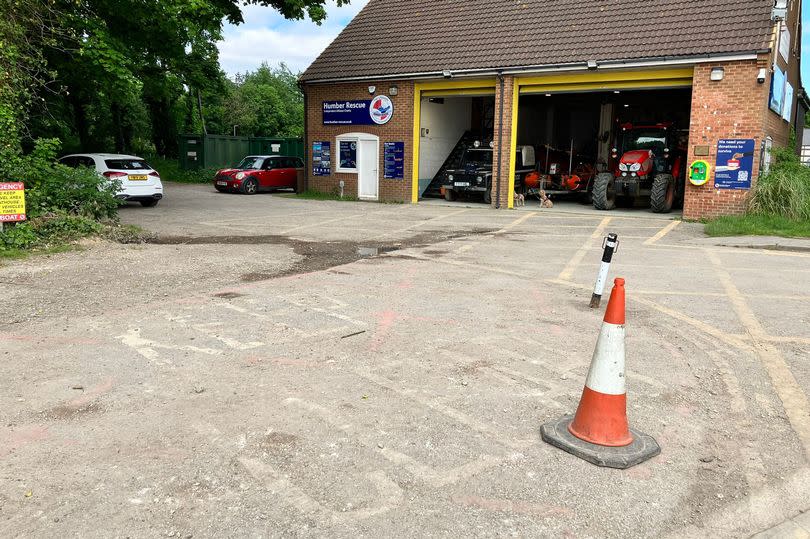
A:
392, 37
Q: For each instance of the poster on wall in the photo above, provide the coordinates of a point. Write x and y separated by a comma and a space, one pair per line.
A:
321, 158
348, 154
735, 163
778, 82
394, 158
787, 106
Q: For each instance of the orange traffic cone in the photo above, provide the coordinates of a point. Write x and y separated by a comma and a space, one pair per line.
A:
599, 432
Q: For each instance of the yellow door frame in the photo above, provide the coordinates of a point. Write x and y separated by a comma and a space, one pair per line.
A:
590, 81
449, 88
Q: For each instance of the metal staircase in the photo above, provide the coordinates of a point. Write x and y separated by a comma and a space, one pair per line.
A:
466, 141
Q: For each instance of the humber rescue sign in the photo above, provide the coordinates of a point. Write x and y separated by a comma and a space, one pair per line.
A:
12, 202
377, 111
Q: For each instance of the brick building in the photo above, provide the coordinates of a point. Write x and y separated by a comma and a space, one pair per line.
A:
391, 99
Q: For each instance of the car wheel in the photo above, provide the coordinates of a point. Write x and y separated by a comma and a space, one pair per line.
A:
450, 195
250, 187
149, 203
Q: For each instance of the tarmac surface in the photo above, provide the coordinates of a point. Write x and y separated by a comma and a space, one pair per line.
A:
271, 367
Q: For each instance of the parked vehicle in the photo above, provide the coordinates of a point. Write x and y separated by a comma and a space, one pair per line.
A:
139, 181
473, 173
561, 172
260, 173
652, 165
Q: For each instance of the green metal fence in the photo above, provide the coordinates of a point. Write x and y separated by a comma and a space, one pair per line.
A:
220, 151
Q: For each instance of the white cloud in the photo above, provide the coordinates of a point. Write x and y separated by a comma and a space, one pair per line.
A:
267, 37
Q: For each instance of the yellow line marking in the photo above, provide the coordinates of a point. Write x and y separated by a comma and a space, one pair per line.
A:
568, 271
793, 398
516, 222
313, 225
783, 339
666, 230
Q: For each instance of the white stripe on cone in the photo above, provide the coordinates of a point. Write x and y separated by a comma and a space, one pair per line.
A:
606, 374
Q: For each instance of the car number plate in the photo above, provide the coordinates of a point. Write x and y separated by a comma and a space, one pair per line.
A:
222, 183
137, 178
462, 184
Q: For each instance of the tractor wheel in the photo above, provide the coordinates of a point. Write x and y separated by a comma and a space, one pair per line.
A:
450, 195
604, 194
662, 196
488, 196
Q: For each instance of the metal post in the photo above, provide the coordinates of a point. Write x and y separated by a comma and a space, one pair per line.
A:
610, 246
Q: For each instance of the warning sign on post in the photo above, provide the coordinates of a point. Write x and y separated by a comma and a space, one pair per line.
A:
12, 202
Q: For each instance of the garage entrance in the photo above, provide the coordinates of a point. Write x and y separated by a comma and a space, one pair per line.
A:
585, 127
452, 129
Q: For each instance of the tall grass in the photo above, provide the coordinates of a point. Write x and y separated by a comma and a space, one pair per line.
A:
785, 190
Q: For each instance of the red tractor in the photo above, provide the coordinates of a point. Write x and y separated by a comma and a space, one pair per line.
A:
652, 165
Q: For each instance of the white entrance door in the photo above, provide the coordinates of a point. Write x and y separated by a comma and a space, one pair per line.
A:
368, 157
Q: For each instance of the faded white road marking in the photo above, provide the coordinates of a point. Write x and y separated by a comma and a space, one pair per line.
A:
146, 347
425, 473
295, 497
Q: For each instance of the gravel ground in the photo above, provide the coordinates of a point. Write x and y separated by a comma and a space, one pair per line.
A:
277, 367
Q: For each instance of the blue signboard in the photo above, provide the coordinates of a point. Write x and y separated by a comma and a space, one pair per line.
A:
735, 164
394, 157
321, 158
347, 113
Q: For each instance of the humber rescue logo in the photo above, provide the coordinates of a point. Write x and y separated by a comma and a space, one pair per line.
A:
381, 110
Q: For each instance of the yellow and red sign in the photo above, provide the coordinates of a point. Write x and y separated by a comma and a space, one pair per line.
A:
12, 202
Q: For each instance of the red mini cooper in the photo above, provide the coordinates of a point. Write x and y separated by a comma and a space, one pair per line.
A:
259, 173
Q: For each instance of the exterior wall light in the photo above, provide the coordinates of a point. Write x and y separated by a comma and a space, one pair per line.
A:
372, 89
393, 90
718, 74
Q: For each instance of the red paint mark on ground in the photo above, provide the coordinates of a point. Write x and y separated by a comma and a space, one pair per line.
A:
407, 282
12, 439
514, 507
91, 394
255, 361
50, 340
385, 321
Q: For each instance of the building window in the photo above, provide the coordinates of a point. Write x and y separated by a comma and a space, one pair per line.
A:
347, 155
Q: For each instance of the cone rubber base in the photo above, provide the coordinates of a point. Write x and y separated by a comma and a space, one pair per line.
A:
644, 447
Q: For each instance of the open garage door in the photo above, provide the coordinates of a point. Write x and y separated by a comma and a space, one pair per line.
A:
450, 118
582, 127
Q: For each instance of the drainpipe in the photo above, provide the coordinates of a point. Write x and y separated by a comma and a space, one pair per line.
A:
302, 86
500, 144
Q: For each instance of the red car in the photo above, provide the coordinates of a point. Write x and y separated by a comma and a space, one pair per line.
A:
260, 173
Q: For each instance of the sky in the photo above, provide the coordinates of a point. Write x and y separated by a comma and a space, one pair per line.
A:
266, 36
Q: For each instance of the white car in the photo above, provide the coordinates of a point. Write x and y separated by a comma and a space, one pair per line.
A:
139, 182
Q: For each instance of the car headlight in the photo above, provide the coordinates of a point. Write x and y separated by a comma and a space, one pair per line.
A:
240, 176
479, 179
622, 167
450, 177
635, 167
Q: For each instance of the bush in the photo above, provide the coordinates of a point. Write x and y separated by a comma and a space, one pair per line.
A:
170, 170
63, 204
47, 231
785, 190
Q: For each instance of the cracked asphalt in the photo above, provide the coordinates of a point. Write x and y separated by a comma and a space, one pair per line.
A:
273, 367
